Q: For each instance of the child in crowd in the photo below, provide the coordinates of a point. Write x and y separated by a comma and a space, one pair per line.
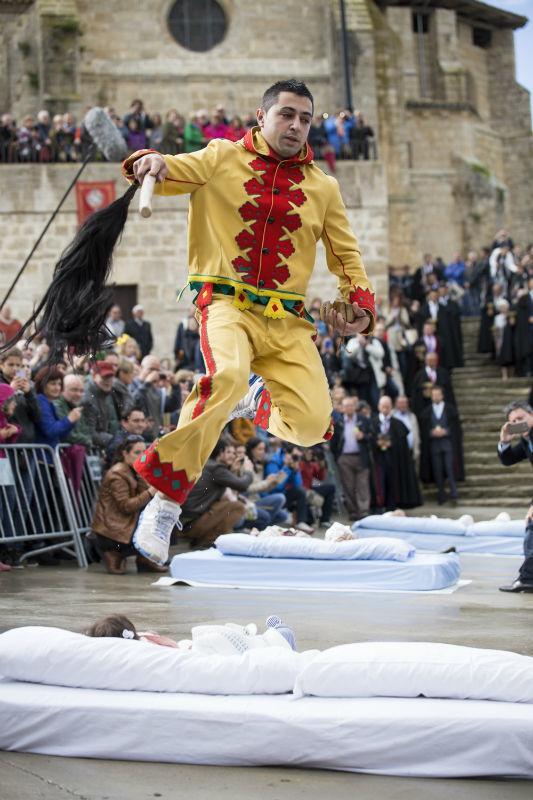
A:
226, 639
9, 433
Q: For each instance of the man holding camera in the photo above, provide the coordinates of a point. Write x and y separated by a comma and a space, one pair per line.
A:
288, 461
158, 394
519, 423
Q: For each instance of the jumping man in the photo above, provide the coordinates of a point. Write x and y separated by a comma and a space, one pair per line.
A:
257, 210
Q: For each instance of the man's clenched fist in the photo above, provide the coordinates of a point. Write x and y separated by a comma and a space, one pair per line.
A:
347, 318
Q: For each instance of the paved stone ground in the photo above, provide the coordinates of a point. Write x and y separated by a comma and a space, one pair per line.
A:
476, 615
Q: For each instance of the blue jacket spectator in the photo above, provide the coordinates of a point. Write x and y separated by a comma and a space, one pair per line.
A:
455, 272
292, 487
51, 429
278, 464
338, 128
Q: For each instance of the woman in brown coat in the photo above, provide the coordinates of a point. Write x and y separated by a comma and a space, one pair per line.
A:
122, 497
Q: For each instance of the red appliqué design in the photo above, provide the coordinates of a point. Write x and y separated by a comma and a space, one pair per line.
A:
329, 433
205, 296
364, 299
205, 384
262, 415
174, 483
271, 215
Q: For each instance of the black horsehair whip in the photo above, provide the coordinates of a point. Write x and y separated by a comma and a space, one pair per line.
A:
71, 315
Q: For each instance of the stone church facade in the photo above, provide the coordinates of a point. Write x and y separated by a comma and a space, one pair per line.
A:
435, 79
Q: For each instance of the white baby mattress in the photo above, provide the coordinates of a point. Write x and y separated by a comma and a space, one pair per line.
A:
388, 736
425, 572
434, 542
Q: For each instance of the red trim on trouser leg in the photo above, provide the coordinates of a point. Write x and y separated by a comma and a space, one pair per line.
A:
205, 384
262, 415
174, 483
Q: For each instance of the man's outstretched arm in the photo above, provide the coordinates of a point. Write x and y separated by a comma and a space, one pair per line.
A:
344, 260
182, 174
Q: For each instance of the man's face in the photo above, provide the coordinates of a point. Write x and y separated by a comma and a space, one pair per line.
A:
349, 404
151, 363
379, 332
436, 396
292, 459
385, 406
112, 358
429, 330
115, 312
10, 366
73, 392
104, 382
227, 456
136, 423
402, 404
286, 124
431, 360
520, 415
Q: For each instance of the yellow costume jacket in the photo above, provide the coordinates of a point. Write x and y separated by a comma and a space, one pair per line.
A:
255, 220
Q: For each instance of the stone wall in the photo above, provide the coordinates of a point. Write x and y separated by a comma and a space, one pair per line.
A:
284, 39
153, 253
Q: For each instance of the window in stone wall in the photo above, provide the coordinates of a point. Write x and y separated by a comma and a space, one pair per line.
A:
420, 22
482, 37
198, 25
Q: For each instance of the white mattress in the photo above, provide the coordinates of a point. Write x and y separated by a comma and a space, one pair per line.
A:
387, 736
434, 542
425, 572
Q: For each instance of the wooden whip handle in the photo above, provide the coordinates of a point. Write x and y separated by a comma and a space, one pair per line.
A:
145, 199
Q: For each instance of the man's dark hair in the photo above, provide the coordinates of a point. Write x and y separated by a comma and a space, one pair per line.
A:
220, 446
126, 414
292, 85
251, 444
515, 405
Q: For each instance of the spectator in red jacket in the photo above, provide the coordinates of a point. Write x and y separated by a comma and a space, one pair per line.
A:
315, 479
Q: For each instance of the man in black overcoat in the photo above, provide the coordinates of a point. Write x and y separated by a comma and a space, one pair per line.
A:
441, 451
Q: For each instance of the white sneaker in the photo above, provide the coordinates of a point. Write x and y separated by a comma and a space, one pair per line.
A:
247, 407
151, 537
303, 526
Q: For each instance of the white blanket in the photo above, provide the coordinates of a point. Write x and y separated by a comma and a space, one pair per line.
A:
376, 549
61, 658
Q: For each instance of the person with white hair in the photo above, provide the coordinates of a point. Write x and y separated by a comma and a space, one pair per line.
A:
71, 397
140, 329
503, 332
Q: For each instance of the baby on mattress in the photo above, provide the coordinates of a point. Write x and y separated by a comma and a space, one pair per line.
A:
335, 533
225, 639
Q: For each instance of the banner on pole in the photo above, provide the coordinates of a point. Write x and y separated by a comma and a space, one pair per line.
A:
92, 196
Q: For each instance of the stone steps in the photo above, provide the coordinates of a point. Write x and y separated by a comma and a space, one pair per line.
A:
481, 395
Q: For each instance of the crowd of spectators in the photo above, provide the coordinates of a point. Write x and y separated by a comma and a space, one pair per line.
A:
494, 283
396, 423
61, 138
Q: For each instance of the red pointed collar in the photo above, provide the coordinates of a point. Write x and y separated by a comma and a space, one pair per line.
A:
305, 156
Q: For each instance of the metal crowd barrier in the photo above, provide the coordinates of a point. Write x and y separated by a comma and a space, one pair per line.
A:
37, 504
83, 496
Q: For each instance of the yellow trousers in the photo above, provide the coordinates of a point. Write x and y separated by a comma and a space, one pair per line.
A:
235, 343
